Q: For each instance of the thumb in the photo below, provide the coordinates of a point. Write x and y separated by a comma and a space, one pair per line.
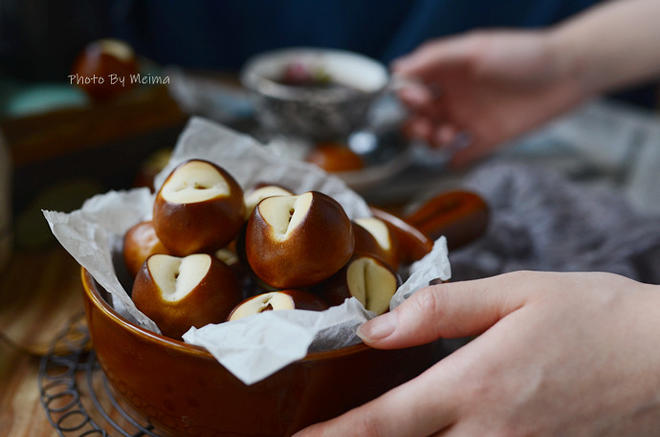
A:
435, 56
450, 310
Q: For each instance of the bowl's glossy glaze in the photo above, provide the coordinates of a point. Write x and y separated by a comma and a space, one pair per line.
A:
182, 389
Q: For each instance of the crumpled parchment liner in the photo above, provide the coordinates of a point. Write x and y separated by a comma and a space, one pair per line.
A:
91, 235
255, 347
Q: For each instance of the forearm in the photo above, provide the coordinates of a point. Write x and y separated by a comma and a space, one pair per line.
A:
610, 46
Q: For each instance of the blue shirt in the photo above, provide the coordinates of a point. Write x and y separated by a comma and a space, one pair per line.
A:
223, 34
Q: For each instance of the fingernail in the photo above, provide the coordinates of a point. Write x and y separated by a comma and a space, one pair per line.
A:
378, 328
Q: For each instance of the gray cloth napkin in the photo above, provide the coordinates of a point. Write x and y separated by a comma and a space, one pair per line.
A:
542, 221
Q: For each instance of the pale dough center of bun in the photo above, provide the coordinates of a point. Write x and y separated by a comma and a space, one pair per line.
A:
116, 48
378, 229
252, 199
371, 283
285, 213
226, 256
176, 277
274, 301
194, 182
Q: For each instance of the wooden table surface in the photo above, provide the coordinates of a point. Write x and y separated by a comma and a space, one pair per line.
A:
20, 411
40, 294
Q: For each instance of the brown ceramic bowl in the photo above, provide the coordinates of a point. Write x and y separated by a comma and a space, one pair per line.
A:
183, 390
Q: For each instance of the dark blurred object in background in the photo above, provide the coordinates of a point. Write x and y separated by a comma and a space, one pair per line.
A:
103, 69
39, 39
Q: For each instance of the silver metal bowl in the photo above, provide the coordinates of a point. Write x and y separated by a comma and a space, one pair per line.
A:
314, 113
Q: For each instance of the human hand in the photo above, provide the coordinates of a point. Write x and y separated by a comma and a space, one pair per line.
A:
570, 354
487, 86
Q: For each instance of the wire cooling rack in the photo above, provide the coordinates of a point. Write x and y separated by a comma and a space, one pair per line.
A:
75, 393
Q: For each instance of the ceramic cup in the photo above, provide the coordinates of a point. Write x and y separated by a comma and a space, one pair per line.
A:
314, 113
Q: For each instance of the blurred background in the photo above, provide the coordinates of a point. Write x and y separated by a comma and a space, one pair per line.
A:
577, 194
56, 131
39, 40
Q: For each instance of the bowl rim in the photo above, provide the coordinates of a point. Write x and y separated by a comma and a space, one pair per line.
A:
90, 287
270, 88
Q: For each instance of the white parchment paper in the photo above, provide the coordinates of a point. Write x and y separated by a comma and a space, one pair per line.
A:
255, 347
